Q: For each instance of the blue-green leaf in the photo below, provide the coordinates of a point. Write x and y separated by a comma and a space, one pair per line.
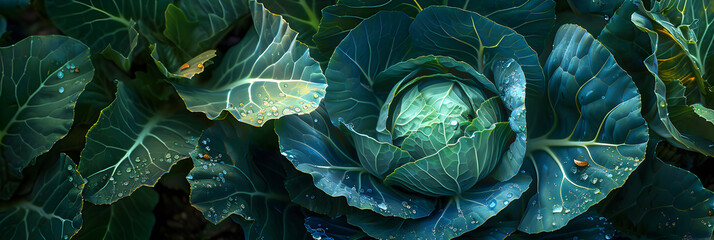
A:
135, 141
460, 214
227, 180
52, 210
377, 43
314, 146
377, 158
588, 226
269, 74
530, 18
302, 15
511, 83
594, 138
474, 39
128, 218
42, 77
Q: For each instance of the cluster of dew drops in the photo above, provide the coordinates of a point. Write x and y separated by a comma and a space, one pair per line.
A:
71, 69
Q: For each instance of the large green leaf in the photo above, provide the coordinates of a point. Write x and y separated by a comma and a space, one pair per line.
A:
227, 179
110, 27
530, 18
38, 90
377, 43
269, 74
331, 228
52, 210
302, 15
595, 120
458, 215
135, 141
314, 146
457, 167
661, 201
128, 218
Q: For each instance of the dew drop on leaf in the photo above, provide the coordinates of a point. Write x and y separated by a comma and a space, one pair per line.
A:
60, 75
61, 89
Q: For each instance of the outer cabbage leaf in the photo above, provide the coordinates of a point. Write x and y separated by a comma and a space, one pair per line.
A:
458, 215
38, 91
531, 18
651, 205
227, 180
52, 210
511, 83
314, 146
109, 27
377, 43
269, 74
128, 218
135, 141
595, 120
588, 226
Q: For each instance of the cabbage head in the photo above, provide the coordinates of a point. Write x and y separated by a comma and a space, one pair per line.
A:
436, 121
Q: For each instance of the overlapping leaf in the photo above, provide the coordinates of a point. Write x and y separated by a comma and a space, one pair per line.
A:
135, 141
652, 205
314, 146
530, 18
266, 76
227, 180
52, 210
595, 137
460, 214
128, 218
42, 77
110, 27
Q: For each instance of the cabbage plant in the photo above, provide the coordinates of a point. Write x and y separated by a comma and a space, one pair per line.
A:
356, 119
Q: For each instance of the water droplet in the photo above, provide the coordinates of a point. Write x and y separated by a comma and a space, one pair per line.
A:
70, 179
557, 209
492, 205
509, 195
382, 206
607, 18
128, 169
61, 90
662, 103
454, 122
539, 217
69, 167
608, 175
60, 75
189, 177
